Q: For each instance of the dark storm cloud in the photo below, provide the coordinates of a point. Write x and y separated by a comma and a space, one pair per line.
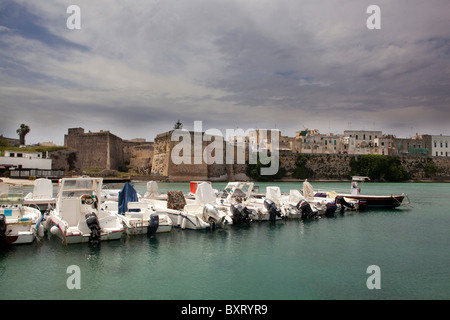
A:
136, 68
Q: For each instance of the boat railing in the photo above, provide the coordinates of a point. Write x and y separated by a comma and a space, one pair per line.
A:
11, 198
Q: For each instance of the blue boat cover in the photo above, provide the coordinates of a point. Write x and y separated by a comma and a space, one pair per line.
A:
127, 194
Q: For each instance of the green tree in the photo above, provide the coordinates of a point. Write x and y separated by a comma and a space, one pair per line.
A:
301, 171
22, 132
379, 167
254, 171
430, 169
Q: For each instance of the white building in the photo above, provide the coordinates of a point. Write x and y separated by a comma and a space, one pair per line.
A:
314, 142
25, 160
440, 146
365, 142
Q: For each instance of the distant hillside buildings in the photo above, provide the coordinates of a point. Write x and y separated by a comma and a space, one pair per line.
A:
358, 142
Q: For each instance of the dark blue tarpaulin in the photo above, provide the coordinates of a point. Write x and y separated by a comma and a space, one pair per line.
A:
127, 194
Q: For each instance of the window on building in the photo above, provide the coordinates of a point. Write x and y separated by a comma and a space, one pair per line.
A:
11, 155
441, 144
435, 145
19, 155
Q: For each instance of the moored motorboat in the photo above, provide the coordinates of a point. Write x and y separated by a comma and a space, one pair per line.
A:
197, 214
19, 224
77, 216
138, 217
372, 201
262, 207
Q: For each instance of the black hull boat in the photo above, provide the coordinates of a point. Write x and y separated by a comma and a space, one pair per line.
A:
392, 201
372, 201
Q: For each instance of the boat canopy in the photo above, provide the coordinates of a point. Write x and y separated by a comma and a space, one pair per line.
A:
360, 178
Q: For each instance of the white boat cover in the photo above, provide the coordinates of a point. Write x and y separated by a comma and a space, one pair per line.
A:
295, 196
152, 189
273, 193
205, 194
308, 190
43, 189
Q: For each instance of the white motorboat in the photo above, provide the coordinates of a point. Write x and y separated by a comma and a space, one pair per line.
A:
141, 218
19, 224
77, 216
42, 195
138, 217
261, 207
198, 214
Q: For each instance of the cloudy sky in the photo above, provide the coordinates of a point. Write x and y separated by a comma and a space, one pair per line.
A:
136, 67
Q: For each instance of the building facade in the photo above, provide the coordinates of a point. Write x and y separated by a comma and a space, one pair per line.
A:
25, 160
440, 146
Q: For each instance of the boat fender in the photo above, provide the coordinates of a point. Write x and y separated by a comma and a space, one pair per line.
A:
54, 230
153, 224
183, 223
179, 220
93, 225
3, 228
272, 209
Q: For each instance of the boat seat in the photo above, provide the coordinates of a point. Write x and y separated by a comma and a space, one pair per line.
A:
137, 205
193, 208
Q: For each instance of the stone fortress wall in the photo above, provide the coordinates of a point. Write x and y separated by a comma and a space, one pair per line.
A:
105, 151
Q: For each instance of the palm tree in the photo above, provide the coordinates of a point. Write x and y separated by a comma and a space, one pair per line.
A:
22, 132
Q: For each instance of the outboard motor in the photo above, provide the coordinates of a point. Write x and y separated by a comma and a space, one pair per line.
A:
331, 208
93, 225
240, 214
343, 203
153, 224
362, 205
305, 208
3, 228
211, 214
272, 209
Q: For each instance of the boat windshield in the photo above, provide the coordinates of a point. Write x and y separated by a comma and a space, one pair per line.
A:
79, 187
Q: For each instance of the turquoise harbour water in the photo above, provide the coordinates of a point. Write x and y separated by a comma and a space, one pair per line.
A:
288, 260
